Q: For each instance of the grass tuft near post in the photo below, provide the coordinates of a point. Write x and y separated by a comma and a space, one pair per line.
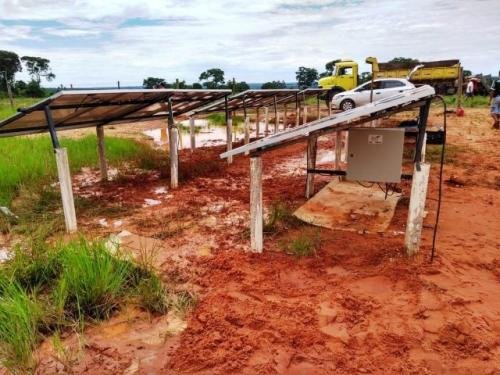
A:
48, 289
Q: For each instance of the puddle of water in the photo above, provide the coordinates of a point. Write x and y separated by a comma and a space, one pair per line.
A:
207, 135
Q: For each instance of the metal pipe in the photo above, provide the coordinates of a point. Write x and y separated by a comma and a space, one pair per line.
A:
51, 126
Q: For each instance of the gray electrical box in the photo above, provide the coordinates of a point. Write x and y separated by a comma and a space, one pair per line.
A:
375, 155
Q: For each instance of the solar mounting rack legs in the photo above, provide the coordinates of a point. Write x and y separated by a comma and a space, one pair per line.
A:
339, 122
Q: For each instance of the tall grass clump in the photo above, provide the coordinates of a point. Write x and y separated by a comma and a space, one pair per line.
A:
45, 290
19, 318
29, 161
92, 281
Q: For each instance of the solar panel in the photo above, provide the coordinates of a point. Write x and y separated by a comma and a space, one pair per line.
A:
77, 108
250, 99
339, 120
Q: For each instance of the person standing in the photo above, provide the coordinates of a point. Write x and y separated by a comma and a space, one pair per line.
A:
495, 102
469, 90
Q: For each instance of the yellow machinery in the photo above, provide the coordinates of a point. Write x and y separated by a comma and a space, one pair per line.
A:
440, 74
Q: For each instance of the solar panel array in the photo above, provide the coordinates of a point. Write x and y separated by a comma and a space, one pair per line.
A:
78, 109
339, 121
251, 99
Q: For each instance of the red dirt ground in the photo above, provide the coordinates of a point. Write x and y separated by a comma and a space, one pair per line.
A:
358, 306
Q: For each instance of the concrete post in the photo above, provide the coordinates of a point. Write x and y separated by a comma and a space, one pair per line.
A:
66, 189
173, 135
338, 149
101, 149
192, 133
257, 122
256, 212
266, 121
229, 136
312, 148
416, 209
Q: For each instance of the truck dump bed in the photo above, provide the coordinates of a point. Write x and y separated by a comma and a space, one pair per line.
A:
443, 70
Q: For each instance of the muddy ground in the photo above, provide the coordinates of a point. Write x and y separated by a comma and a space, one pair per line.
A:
358, 306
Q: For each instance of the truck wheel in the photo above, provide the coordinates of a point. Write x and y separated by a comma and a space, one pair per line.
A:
347, 104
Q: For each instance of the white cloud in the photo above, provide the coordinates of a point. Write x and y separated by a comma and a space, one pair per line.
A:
257, 41
13, 33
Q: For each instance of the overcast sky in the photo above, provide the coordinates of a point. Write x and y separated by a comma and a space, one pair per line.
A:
97, 42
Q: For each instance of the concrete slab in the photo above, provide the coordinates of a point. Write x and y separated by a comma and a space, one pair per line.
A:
344, 205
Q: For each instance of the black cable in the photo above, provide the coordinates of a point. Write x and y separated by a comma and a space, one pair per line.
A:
365, 186
440, 192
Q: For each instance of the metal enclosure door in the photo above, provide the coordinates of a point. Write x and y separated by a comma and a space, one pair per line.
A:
375, 155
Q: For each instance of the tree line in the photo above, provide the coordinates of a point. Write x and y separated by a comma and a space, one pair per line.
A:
38, 68
209, 79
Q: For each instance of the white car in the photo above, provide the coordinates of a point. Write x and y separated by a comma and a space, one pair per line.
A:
382, 88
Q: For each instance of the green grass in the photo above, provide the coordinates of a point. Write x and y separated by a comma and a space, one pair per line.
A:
27, 162
454, 154
280, 218
474, 102
48, 289
6, 110
92, 281
306, 243
219, 119
20, 315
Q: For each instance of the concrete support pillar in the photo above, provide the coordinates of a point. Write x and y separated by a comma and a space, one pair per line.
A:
305, 114
101, 150
256, 211
229, 136
68, 201
266, 121
247, 131
285, 116
318, 109
192, 133
297, 115
257, 122
416, 209
338, 149
345, 142
173, 135
424, 148
312, 148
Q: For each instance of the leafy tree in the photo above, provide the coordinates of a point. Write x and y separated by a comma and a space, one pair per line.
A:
20, 87
181, 85
38, 67
306, 76
9, 66
34, 90
364, 77
153, 83
404, 61
240, 87
274, 85
197, 86
213, 78
467, 73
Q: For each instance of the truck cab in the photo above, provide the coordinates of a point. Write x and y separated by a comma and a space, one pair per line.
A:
344, 77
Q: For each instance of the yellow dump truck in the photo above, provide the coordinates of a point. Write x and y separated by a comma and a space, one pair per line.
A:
443, 75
